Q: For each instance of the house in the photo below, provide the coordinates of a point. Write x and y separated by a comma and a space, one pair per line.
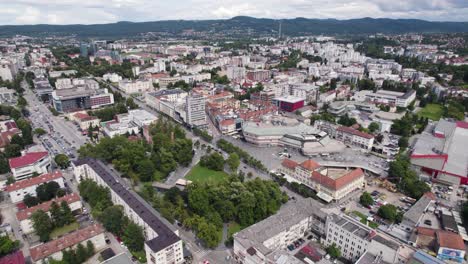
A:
28, 164
73, 200
18, 190
54, 248
450, 246
16, 257
84, 120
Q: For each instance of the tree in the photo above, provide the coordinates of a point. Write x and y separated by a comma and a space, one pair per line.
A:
333, 251
7, 245
18, 140
133, 237
90, 248
42, 224
233, 161
366, 199
67, 215
145, 169
47, 191
81, 253
56, 215
13, 150
213, 161
208, 233
62, 161
39, 131
403, 143
373, 126
30, 200
112, 218
388, 211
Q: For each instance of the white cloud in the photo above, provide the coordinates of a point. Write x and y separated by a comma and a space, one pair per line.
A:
105, 11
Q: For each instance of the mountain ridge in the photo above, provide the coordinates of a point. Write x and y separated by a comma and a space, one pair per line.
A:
262, 26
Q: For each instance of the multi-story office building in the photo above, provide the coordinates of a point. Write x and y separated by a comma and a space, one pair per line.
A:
195, 111
162, 244
81, 98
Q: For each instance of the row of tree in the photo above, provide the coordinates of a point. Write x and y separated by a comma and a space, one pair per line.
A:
243, 155
111, 216
407, 180
76, 256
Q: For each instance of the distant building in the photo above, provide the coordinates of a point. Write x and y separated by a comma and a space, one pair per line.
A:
7, 96
84, 49
135, 86
289, 103
354, 137
7, 70
258, 75
18, 190
112, 77
57, 74
28, 164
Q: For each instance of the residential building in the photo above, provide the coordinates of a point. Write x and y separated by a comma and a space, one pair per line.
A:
450, 246
7, 96
354, 137
8, 129
258, 75
235, 73
264, 242
18, 190
73, 200
112, 77
29, 164
54, 249
354, 239
195, 110
135, 86
84, 120
56, 74
7, 70
16, 257
162, 244
329, 183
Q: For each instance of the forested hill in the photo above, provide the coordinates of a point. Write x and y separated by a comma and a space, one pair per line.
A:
239, 25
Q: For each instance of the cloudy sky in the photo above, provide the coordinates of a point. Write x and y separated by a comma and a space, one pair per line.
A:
17, 12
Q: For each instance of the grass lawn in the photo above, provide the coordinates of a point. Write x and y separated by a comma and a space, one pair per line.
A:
432, 111
233, 228
204, 175
64, 230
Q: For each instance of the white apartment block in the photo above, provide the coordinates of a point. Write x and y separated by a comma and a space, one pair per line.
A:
7, 96
7, 70
18, 190
196, 77
262, 242
112, 77
354, 239
162, 244
135, 86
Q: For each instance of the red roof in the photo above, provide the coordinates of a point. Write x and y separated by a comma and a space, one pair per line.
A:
27, 159
44, 250
425, 231
290, 164
355, 132
25, 214
33, 181
14, 258
450, 240
310, 165
336, 184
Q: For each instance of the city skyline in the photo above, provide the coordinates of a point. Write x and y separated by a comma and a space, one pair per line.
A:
24, 12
